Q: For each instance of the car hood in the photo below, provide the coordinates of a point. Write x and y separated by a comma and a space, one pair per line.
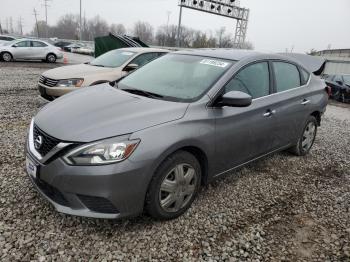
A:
101, 111
77, 71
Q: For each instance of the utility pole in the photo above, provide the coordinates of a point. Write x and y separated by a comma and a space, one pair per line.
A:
47, 26
167, 24
179, 28
20, 25
81, 27
36, 22
0, 28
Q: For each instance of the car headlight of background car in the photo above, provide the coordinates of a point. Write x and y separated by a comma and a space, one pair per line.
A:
102, 153
77, 82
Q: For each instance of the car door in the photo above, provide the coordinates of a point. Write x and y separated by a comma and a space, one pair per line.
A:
243, 134
141, 60
39, 50
290, 101
21, 50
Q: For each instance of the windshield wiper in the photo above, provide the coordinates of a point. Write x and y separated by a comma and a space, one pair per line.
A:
97, 65
142, 93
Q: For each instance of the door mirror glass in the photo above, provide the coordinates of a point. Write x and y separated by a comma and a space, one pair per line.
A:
131, 67
236, 99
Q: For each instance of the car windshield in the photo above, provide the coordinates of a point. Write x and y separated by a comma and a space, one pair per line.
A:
114, 58
177, 77
347, 79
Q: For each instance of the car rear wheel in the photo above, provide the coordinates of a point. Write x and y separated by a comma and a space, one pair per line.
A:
174, 186
51, 58
6, 56
307, 138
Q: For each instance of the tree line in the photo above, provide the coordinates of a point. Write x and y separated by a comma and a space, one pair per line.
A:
67, 27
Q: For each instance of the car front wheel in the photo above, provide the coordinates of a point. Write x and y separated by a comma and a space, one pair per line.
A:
6, 56
307, 139
174, 186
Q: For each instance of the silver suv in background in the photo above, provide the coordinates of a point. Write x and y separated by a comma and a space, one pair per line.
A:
150, 141
29, 49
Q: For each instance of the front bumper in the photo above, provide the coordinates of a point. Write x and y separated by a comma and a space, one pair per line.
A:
51, 93
110, 191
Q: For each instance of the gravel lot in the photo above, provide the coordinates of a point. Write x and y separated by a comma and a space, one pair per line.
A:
282, 208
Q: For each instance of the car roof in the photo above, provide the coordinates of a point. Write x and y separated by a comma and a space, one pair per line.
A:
144, 49
222, 53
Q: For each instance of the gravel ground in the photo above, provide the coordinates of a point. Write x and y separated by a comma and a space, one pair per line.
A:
282, 208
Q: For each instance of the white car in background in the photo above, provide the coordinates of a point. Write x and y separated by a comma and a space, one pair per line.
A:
106, 68
30, 49
5, 39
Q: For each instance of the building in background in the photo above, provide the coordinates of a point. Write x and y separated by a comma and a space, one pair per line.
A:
338, 61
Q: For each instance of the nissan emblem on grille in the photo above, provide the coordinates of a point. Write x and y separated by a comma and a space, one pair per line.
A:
38, 142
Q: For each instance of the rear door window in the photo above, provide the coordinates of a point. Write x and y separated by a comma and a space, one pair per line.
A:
287, 76
253, 80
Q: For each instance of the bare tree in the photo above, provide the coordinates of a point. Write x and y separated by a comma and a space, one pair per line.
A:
223, 40
118, 29
144, 31
247, 45
98, 26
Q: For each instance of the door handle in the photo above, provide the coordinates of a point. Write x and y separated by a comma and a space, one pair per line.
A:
305, 102
269, 113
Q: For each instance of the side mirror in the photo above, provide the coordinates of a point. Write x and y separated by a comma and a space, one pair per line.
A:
236, 99
131, 67
15, 45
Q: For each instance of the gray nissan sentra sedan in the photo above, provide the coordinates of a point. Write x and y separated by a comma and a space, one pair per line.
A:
150, 141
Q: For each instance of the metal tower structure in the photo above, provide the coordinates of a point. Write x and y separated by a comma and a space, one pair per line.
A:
225, 8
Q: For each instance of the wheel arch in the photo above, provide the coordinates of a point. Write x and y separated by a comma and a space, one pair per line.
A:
196, 150
2, 52
317, 115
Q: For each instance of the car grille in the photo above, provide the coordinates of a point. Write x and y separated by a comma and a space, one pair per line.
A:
98, 204
47, 81
48, 142
51, 192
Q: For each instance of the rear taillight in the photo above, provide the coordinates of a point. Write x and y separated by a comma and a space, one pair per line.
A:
328, 90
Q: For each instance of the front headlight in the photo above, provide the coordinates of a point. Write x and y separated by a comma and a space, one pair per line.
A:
70, 82
102, 153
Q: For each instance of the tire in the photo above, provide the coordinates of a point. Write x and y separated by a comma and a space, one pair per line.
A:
51, 58
307, 138
170, 194
6, 57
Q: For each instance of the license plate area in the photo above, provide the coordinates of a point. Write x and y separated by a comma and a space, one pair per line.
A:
31, 167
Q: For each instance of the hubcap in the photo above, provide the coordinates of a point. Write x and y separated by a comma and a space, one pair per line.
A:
6, 57
177, 188
309, 136
51, 58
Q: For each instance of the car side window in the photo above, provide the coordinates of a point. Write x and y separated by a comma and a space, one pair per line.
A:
253, 80
305, 76
38, 44
23, 44
143, 59
287, 76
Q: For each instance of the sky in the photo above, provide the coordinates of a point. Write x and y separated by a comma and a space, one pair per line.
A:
274, 25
